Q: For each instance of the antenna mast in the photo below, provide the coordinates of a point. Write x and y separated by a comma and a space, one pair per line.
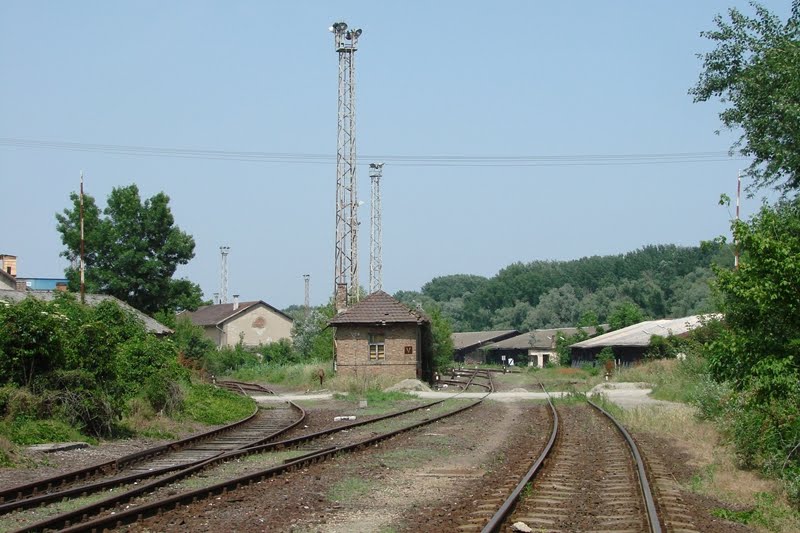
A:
307, 300
83, 267
223, 279
376, 232
346, 250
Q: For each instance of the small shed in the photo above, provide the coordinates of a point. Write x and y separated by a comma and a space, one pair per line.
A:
631, 343
379, 336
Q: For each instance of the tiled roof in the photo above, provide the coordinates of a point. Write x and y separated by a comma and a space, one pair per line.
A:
381, 308
211, 315
152, 325
469, 339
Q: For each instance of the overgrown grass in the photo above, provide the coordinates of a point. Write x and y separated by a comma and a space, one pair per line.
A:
672, 380
349, 489
210, 405
303, 376
26, 431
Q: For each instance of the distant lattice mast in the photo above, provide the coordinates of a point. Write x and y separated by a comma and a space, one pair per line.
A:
375, 230
346, 249
307, 299
223, 274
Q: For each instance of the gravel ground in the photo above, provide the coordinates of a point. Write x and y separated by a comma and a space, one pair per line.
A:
422, 481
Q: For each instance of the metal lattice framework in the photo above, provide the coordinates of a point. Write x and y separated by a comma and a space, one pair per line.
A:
223, 274
376, 231
346, 252
307, 299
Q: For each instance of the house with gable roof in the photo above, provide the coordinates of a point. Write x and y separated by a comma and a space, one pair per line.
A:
379, 336
251, 323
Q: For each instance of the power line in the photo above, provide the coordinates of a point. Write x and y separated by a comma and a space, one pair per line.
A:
436, 160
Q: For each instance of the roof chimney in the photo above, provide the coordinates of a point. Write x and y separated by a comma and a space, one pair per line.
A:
235, 302
9, 264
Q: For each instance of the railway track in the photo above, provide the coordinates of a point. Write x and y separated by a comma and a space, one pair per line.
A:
243, 388
469, 377
145, 499
588, 477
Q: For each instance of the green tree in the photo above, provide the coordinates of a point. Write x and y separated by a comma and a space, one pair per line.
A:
760, 349
624, 315
132, 250
442, 334
755, 69
312, 339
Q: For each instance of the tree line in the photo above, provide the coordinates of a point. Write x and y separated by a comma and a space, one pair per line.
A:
655, 281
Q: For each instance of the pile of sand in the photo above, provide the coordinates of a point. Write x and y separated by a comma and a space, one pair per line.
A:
409, 384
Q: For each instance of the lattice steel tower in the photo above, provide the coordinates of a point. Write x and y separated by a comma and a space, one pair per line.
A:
375, 230
346, 252
223, 274
307, 299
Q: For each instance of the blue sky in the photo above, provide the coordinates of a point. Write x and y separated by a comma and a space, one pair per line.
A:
452, 78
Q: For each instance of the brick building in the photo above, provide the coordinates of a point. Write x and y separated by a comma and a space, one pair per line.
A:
379, 336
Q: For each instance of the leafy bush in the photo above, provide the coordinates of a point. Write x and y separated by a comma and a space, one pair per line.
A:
211, 405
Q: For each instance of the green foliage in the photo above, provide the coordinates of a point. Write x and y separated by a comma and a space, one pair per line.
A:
211, 405
605, 355
660, 279
228, 359
279, 353
79, 364
760, 349
311, 337
563, 342
192, 344
755, 70
624, 315
442, 340
757, 350
133, 249
27, 431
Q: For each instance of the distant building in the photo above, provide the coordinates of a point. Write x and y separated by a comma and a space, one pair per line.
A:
151, 324
251, 323
467, 345
535, 348
379, 336
631, 343
45, 284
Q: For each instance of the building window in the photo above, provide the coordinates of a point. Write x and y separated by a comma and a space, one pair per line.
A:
377, 346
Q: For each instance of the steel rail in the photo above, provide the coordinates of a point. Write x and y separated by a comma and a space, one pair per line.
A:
33, 488
652, 514
226, 456
83, 490
494, 524
65, 521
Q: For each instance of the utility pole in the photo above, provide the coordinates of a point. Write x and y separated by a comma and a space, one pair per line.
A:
223, 279
375, 230
307, 300
83, 267
738, 197
346, 250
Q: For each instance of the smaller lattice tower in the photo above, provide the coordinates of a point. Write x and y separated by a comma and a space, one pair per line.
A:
375, 230
223, 274
307, 300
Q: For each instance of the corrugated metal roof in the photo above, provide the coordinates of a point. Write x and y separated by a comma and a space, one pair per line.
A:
639, 334
467, 339
152, 325
379, 307
539, 338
